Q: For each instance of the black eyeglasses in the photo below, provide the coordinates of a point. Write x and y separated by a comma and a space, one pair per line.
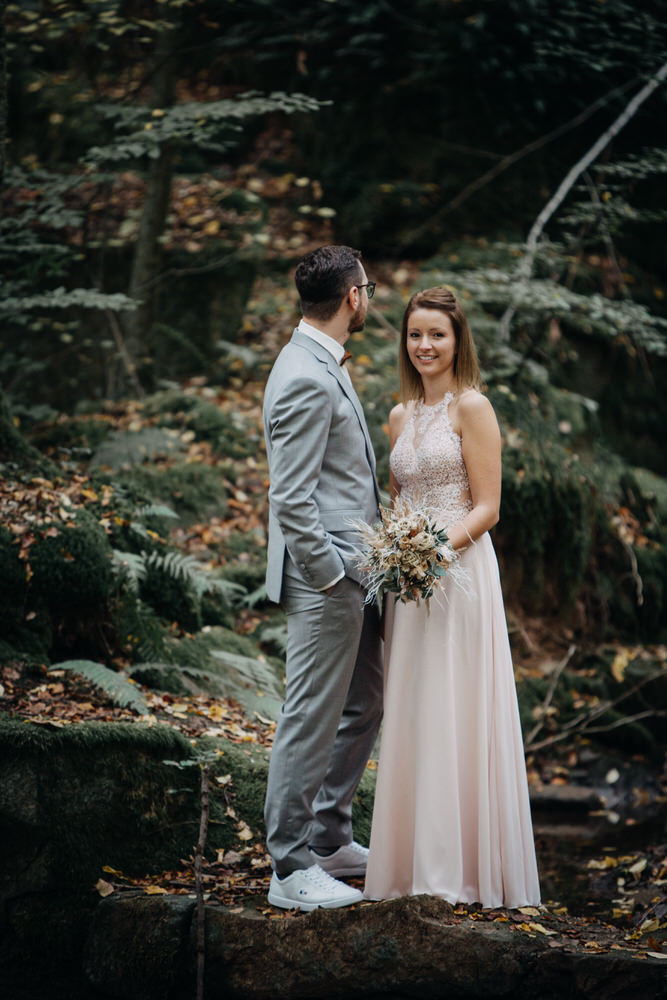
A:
370, 285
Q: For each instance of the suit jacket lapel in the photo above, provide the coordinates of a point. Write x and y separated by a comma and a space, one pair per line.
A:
334, 369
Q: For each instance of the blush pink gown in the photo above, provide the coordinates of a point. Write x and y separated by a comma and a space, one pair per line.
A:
451, 815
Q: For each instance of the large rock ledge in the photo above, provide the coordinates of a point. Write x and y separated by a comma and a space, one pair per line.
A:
144, 948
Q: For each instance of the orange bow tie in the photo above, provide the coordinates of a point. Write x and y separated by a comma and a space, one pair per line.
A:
346, 357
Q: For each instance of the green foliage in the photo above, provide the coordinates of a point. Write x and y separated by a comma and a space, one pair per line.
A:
194, 490
33, 251
157, 511
630, 595
188, 569
123, 693
139, 628
255, 671
246, 575
18, 308
168, 587
499, 75
236, 662
76, 436
174, 586
194, 650
127, 448
258, 596
178, 679
545, 531
274, 635
129, 568
213, 126
539, 300
229, 434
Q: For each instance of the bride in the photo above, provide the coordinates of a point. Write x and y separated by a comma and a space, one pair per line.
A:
451, 815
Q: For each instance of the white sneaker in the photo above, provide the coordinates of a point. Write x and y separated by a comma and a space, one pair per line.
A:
308, 888
348, 861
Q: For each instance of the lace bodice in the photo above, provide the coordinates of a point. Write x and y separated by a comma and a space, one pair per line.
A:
428, 463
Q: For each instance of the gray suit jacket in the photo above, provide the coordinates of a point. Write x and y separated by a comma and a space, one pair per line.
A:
321, 465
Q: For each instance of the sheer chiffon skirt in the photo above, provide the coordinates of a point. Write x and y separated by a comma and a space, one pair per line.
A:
452, 815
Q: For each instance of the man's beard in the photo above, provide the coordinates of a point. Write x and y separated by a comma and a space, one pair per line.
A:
357, 321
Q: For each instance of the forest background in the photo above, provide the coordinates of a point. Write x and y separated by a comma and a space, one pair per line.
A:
165, 164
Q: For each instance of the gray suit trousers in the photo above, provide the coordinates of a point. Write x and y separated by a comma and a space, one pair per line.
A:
328, 722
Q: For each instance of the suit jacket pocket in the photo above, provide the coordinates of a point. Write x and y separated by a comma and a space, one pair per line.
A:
341, 520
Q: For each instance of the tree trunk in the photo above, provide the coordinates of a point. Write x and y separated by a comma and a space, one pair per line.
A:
13, 446
148, 252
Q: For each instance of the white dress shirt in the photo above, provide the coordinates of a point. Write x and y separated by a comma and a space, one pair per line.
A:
328, 343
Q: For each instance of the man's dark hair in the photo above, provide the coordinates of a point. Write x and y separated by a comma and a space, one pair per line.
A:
323, 279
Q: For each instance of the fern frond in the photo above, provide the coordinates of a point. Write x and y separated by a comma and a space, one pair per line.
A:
147, 649
175, 564
195, 673
183, 567
121, 448
130, 567
245, 355
255, 597
256, 672
231, 591
124, 694
276, 635
139, 529
155, 510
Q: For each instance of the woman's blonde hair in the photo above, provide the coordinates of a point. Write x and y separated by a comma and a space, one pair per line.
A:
466, 365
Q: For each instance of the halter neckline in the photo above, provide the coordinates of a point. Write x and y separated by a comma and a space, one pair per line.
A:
449, 395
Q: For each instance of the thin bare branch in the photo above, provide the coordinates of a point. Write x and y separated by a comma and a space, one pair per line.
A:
627, 719
199, 855
582, 722
213, 265
380, 318
128, 362
550, 693
507, 161
525, 268
634, 571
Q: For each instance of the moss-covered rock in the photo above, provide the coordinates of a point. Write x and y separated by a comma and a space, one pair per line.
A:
74, 799
80, 435
93, 794
545, 533
72, 569
13, 577
29, 642
398, 948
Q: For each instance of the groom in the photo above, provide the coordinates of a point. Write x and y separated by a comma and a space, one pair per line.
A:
322, 470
